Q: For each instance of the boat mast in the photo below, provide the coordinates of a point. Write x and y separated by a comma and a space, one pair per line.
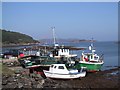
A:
91, 46
92, 42
93, 49
53, 28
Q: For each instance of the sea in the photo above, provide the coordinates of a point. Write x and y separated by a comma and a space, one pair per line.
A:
108, 48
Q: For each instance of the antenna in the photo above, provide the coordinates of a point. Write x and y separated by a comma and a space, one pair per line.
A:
53, 28
91, 46
92, 42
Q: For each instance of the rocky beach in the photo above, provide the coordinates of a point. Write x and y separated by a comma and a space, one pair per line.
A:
14, 77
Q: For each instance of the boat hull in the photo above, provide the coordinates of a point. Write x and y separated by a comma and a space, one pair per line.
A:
91, 67
63, 76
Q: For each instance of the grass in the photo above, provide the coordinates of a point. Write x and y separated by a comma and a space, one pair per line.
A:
6, 70
0, 68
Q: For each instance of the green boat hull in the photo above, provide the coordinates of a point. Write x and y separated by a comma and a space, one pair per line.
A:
89, 67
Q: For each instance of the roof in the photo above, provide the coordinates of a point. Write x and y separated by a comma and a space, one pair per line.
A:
58, 64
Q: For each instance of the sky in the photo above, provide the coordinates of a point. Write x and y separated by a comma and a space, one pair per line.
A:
72, 20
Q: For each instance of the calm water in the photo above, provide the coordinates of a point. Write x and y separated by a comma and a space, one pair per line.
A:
109, 49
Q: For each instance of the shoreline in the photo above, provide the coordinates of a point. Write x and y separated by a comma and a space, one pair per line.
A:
17, 45
30, 44
22, 79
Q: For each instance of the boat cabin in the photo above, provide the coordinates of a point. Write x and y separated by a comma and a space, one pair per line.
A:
58, 68
90, 57
61, 51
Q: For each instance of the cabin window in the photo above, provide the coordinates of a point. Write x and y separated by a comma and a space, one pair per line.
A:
62, 50
52, 65
92, 56
55, 67
60, 67
96, 58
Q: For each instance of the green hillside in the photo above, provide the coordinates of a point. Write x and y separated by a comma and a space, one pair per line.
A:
10, 37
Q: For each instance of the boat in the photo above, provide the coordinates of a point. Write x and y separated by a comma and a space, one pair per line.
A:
60, 71
36, 61
47, 55
59, 51
91, 60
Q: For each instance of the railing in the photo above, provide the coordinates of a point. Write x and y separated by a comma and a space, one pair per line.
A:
102, 57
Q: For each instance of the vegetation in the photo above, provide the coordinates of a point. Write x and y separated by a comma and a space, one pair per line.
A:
0, 68
10, 37
6, 70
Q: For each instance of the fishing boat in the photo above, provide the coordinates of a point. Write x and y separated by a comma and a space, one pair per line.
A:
91, 60
59, 51
60, 71
47, 55
36, 61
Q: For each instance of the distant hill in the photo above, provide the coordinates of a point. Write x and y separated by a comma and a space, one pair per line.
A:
82, 40
10, 37
66, 40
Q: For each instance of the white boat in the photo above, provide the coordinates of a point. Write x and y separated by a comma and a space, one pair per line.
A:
59, 51
60, 71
